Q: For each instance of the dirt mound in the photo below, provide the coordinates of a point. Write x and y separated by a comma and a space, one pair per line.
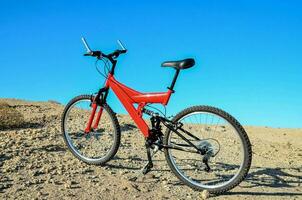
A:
35, 163
10, 117
16, 113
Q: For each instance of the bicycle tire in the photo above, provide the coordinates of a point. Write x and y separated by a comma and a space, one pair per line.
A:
243, 136
115, 123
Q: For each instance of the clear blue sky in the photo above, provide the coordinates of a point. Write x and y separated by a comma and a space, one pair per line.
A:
248, 53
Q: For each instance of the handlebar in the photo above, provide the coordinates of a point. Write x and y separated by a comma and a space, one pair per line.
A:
99, 54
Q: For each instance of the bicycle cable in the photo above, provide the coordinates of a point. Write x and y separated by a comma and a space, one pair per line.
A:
164, 114
97, 69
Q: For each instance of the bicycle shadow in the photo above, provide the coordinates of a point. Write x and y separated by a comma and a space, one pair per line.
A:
127, 127
3, 158
274, 177
263, 177
50, 148
22, 126
266, 177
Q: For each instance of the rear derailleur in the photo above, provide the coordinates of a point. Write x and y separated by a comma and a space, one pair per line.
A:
207, 151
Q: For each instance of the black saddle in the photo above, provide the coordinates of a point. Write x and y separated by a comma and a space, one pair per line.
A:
180, 64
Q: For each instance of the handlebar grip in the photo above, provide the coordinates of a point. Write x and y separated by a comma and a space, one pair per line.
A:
94, 54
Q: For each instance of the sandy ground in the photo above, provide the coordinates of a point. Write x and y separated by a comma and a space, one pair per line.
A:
35, 163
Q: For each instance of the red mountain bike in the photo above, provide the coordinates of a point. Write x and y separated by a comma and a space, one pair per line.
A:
205, 147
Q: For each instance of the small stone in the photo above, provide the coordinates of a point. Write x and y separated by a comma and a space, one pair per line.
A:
205, 194
112, 172
150, 176
67, 186
93, 177
45, 170
167, 188
123, 172
164, 182
27, 152
104, 190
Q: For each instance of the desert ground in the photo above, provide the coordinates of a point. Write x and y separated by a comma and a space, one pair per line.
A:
35, 162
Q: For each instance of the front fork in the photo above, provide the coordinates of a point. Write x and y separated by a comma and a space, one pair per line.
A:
98, 100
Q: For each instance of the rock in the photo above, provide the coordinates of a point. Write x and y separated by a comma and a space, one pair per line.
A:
45, 169
205, 194
150, 176
10, 117
122, 172
67, 186
105, 190
112, 172
167, 188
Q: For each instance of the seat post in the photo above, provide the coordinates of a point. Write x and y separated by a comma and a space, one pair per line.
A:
174, 80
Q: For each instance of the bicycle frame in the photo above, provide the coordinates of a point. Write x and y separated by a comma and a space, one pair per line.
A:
129, 97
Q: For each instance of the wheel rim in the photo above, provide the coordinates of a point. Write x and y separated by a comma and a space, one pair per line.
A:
203, 180
93, 146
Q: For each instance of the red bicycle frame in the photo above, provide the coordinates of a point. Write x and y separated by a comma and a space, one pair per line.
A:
129, 97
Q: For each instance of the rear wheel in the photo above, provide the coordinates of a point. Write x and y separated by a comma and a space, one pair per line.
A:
224, 142
96, 147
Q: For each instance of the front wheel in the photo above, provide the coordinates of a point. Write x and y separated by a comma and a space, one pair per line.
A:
99, 145
225, 152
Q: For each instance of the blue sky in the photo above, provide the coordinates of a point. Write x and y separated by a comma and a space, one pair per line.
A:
248, 53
